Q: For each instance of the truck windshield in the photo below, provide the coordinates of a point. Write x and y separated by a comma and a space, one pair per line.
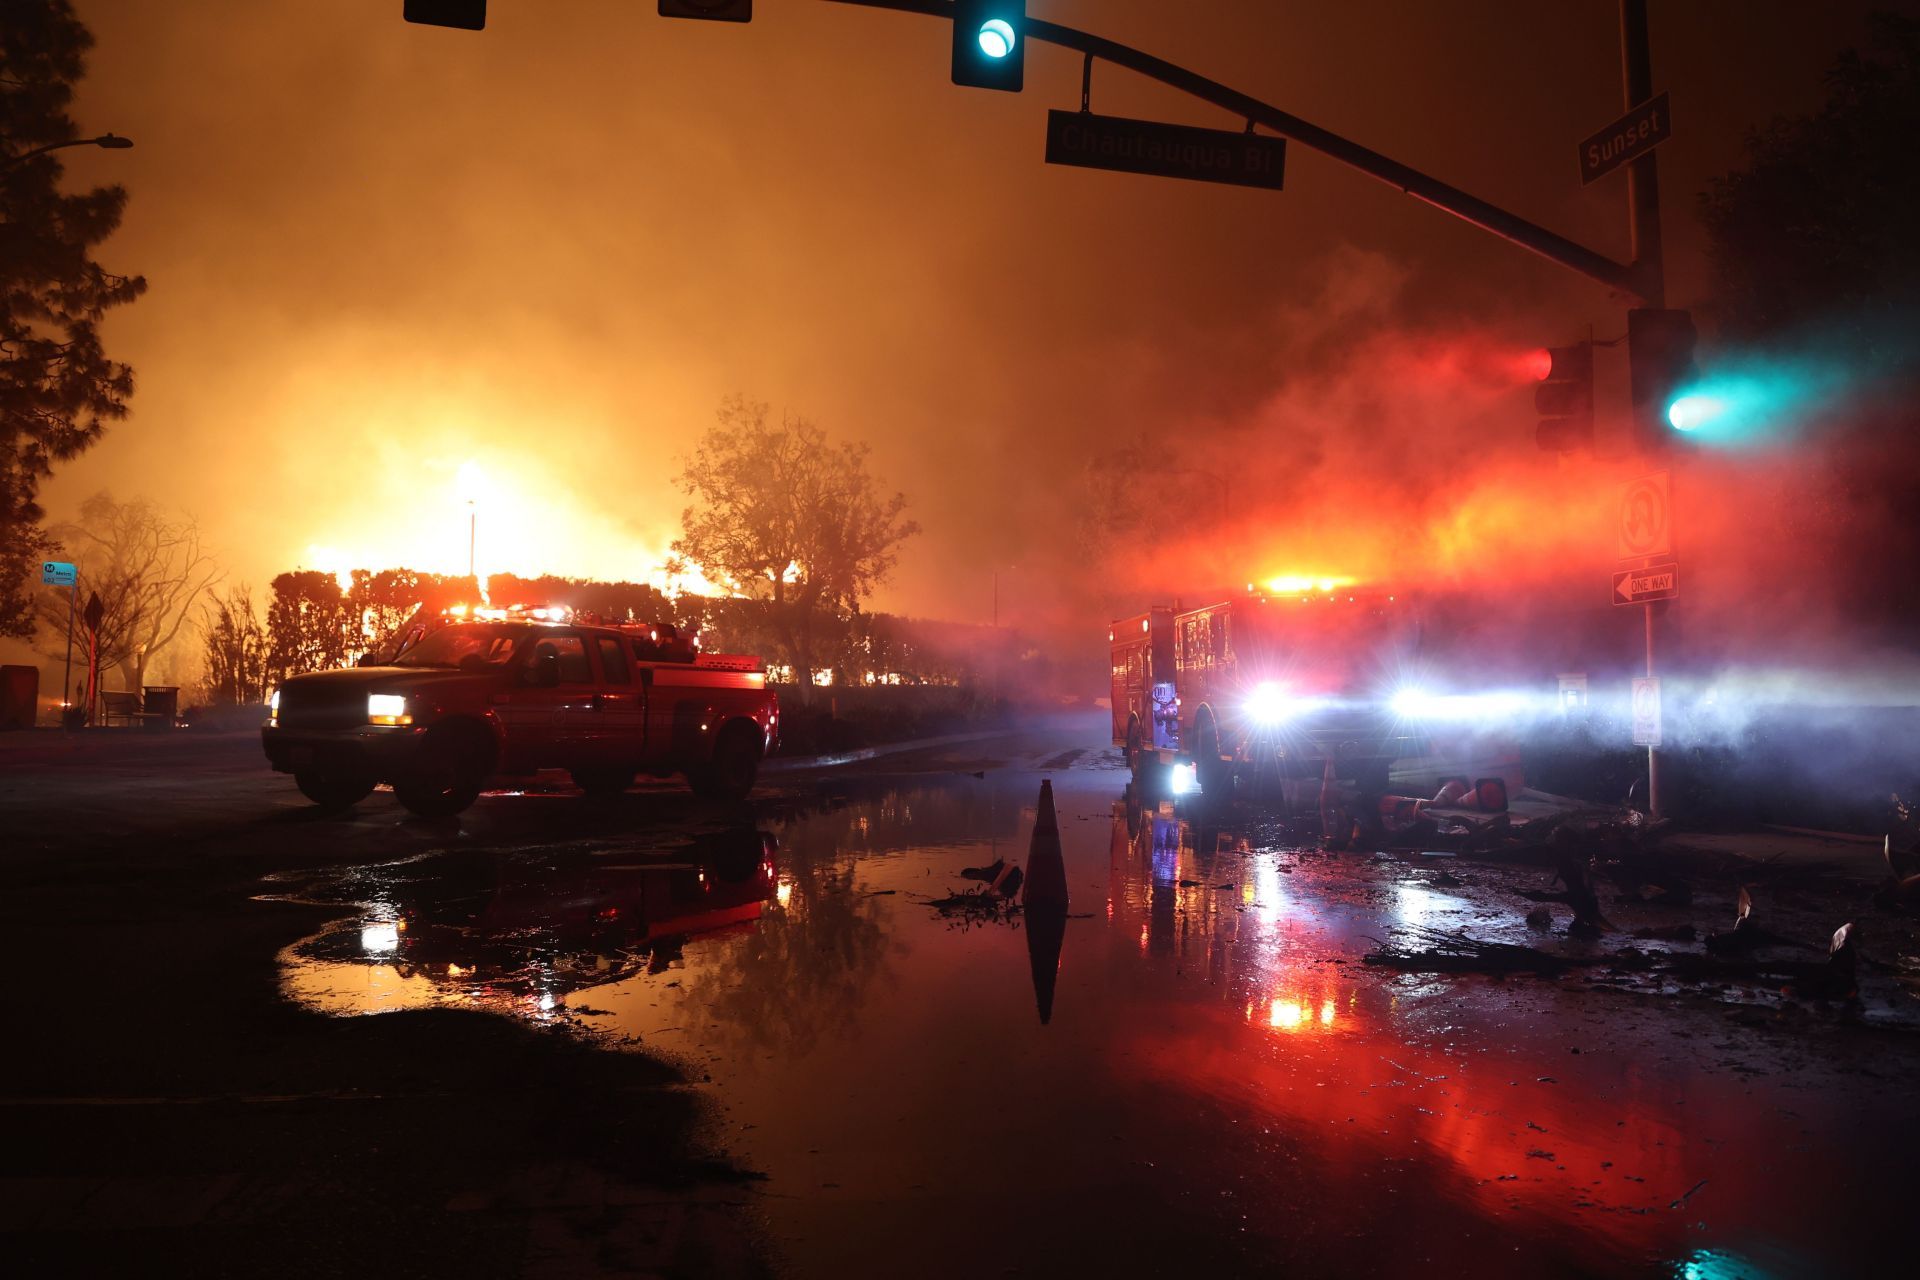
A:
467, 645
1331, 647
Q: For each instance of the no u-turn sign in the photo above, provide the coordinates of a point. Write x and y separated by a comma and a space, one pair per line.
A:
1646, 517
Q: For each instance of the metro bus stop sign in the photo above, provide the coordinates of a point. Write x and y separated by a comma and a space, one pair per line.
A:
58, 573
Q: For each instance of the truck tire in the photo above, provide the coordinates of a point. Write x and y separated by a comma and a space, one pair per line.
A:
333, 789
453, 765
1215, 778
732, 771
1136, 750
604, 781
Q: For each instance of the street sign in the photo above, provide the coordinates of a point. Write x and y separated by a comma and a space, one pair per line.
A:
1646, 711
1655, 582
58, 573
1632, 135
1165, 150
1646, 518
94, 611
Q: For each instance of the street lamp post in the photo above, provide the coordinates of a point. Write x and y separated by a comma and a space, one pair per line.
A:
111, 141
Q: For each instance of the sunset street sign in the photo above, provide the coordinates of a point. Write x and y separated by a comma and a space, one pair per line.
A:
1632, 135
1165, 150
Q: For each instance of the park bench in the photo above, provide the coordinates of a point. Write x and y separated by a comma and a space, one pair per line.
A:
122, 706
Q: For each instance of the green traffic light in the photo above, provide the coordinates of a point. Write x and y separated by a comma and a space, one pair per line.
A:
996, 37
1691, 412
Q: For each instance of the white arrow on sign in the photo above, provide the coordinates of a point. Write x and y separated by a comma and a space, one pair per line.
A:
1655, 582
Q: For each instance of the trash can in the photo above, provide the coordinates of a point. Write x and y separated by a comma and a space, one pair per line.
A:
160, 706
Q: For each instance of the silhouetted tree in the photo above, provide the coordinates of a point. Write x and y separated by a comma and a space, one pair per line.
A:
307, 624
235, 646
57, 387
1817, 224
786, 516
147, 567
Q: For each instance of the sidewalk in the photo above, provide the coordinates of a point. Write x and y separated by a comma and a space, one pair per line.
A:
1830, 852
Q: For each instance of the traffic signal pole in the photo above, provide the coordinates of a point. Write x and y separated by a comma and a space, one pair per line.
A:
1643, 178
1510, 227
1643, 201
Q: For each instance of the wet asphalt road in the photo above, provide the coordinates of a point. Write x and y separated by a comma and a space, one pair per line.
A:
650, 1038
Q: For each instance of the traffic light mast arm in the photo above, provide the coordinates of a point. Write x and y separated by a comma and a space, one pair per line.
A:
1508, 226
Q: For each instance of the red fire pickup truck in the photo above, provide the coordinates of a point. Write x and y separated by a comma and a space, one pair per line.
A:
452, 705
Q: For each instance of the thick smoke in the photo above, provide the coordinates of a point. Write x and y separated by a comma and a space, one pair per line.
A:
1405, 458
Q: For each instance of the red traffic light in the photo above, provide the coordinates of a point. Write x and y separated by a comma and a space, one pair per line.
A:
1564, 398
1538, 364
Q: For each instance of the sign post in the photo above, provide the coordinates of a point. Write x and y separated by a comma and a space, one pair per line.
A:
59, 573
1645, 538
92, 615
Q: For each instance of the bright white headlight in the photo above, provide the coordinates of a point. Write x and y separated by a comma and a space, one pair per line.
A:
273, 704
1414, 704
1184, 778
387, 708
1269, 704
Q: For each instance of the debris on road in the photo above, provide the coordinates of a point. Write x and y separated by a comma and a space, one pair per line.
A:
1448, 952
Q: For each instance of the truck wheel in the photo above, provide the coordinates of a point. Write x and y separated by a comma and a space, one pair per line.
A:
1136, 750
1215, 779
735, 765
333, 788
607, 780
453, 765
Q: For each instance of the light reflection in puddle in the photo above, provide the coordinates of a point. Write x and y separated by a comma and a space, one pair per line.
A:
1218, 1063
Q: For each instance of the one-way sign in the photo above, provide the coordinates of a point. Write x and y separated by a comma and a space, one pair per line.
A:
1655, 582
1165, 150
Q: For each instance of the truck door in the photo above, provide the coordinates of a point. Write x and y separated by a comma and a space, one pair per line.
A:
612, 727
532, 714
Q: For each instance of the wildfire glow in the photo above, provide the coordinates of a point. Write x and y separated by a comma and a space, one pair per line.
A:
1288, 584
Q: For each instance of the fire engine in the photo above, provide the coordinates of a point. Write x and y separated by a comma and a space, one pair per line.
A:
1277, 684
467, 694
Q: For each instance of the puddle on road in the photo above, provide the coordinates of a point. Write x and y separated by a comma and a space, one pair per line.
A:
1221, 1082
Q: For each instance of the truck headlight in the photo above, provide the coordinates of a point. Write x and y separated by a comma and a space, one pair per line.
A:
387, 708
273, 707
1412, 703
1269, 704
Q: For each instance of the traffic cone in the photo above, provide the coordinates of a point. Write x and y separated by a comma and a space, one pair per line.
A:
1046, 887
1044, 902
1046, 931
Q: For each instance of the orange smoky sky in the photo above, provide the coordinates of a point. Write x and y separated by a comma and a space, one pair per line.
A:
380, 253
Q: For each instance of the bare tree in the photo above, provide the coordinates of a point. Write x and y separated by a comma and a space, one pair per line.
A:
788, 517
147, 567
235, 649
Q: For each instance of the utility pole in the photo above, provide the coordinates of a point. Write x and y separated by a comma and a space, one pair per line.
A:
473, 536
1649, 269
